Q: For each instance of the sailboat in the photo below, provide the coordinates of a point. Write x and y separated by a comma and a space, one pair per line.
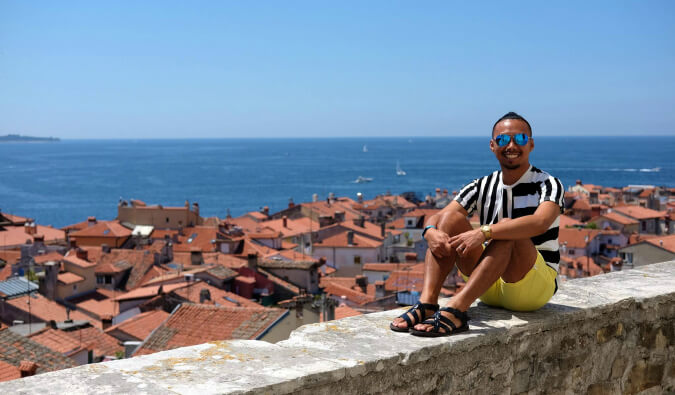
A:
399, 171
365, 148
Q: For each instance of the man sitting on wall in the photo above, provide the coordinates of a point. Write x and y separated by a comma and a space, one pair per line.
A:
511, 261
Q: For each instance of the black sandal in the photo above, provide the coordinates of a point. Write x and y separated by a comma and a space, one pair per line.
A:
439, 321
422, 307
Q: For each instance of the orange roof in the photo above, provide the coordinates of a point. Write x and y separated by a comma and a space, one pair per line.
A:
5, 272
111, 229
340, 241
149, 292
646, 192
219, 297
293, 227
217, 258
575, 238
9, 372
69, 278
422, 212
344, 311
14, 236
141, 325
567, 221
45, 309
384, 200
247, 224
404, 280
10, 256
192, 324
102, 343
140, 260
638, 212
58, 341
50, 257
581, 204
71, 256
100, 308
323, 208
257, 215
25, 353
347, 287
201, 238
667, 242
15, 219
618, 218
369, 229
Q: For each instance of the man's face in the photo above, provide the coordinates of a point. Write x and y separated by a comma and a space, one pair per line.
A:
512, 156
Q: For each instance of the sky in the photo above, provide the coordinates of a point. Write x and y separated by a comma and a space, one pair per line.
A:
233, 69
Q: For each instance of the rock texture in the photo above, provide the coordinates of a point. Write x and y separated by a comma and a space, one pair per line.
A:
607, 334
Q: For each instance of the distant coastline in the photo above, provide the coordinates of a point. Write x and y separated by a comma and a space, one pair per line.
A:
16, 138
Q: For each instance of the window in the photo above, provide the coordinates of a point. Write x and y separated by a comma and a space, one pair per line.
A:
99, 279
357, 259
629, 257
108, 279
571, 252
167, 220
74, 287
644, 226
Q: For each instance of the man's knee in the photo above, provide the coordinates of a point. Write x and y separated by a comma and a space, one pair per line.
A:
453, 223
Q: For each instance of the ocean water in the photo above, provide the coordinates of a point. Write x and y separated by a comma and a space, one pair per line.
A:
63, 183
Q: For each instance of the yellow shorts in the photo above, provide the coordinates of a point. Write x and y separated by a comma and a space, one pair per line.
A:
530, 293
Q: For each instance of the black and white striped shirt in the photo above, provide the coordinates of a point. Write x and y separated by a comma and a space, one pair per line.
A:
492, 201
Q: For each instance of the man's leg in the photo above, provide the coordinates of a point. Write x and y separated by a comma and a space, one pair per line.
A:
437, 269
509, 259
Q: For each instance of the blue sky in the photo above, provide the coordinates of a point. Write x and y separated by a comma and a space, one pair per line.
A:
317, 69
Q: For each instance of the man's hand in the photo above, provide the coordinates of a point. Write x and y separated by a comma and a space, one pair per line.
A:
439, 243
465, 242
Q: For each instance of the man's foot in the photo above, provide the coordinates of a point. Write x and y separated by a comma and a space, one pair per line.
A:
416, 314
446, 321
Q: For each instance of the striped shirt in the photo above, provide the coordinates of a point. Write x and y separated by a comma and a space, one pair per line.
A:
491, 200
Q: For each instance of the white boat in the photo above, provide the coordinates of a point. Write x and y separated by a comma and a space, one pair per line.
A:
365, 148
361, 180
399, 171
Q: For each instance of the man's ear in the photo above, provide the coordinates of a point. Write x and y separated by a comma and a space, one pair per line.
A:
492, 145
532, 141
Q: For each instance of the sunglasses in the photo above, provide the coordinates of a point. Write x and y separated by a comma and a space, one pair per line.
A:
504, 139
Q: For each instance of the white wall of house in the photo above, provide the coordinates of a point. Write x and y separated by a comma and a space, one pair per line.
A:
348, 261
644, 254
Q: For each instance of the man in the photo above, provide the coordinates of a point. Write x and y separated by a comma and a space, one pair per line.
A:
511, 261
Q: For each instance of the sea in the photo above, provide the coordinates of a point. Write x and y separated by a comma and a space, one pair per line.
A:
65, 182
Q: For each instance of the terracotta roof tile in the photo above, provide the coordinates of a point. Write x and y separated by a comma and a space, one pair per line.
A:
387, 267
102, 343
637, 212
45, 309
201, 238
9, 372
141, 261
15, 236
568, 222
218, 297
294, 227
665, 242
5, 272
100, 308
581, 204
15, 348
69, 278
141, 325
575, 238
58, 341
10, 256
340, 240
347, 287
344, 311
618, 218
111, 229
193, 324
404, 280
50, 257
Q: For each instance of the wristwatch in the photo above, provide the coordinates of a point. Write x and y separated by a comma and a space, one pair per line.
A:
487, 232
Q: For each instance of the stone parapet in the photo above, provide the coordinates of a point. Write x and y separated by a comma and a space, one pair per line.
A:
607, 334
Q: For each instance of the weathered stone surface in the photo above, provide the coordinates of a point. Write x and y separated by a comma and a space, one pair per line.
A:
600, 335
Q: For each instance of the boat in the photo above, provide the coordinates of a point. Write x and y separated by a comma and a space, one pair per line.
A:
361, 180
365, 148
399, 171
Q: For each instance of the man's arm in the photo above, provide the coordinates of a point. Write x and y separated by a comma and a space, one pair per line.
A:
529, 225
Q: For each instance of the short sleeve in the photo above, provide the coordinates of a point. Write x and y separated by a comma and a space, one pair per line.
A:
552, 191
468, 197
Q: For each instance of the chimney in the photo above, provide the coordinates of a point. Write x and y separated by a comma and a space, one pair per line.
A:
106, 321
362, 282
48, 286
195, 208
350, 237
661, 243
204, 295
291, 203
315, 198
438, 193
445, 193
39, 238
82, 254
27, 368
284, 221
410, 257
266, 211
359, 197
105, 248
30, 228
252, 261
331, 197
579, 182
339, 216
379, 289
91, 221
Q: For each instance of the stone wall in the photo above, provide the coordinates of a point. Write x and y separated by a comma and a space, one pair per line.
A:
606, 334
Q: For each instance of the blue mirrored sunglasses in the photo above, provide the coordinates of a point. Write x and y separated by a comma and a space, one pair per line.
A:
504, 139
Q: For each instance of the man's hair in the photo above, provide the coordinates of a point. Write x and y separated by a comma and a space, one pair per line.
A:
512, 115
